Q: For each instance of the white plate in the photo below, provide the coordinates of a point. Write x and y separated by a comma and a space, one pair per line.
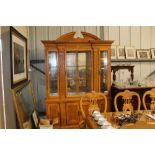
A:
106, 127
101, 121
106, 123
95, 113
97, 117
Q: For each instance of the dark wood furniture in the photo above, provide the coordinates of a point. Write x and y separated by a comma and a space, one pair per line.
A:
144, 121
75, 66
114, 69
149, 100
139, 90
127, 100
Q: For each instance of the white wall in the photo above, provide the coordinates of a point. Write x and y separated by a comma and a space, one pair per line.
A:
23, 30
142, 37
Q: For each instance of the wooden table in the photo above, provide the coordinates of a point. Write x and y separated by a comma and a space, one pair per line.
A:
144, 122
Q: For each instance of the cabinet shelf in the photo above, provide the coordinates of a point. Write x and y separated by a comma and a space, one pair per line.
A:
133, 60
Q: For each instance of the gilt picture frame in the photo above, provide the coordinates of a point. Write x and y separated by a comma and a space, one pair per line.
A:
143, 53
18, 58
130, 52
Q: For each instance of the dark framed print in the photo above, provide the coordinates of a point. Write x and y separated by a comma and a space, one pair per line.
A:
18, 56
143, 53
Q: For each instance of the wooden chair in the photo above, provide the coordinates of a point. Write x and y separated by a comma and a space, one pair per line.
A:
91, 102
24, 103
149, 100
127, 100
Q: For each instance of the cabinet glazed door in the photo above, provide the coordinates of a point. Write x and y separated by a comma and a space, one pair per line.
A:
103, 71
53, 73
72, 111
78, 67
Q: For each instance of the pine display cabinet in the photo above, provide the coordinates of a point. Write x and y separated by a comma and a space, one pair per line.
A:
75, 66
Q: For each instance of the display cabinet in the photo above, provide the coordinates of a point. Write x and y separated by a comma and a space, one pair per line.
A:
75, 66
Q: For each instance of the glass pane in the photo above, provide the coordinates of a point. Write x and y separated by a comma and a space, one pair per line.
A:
84, 85
53, 73
82, 72
81, 59
71, 59
71, 72
78, 72
84, 68
52, 59
53, 87
71, 87
103, 70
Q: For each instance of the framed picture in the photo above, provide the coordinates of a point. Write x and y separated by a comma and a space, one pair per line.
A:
18, 58
143, 53
120, 52
130, 52
153, 53
113, 52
